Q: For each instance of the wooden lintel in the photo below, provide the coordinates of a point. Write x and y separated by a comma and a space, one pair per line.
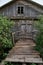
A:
22, 18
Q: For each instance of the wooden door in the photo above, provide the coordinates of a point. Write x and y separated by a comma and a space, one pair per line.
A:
26, 28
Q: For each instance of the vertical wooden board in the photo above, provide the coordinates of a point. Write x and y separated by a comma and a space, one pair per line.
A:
12, 10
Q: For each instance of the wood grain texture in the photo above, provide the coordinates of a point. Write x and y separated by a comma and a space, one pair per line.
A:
24, 51
29, 10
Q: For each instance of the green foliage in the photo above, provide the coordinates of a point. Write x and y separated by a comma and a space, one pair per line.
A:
9, 63
39, 36
33, 64
5, 35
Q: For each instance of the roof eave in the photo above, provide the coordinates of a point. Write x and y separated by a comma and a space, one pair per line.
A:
40, 6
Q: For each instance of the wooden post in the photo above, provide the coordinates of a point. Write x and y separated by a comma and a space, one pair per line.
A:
13, 37
24, 64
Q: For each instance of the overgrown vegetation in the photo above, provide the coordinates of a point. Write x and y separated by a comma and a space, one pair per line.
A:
9, 63
5, 36
33, 64
6, 39
39, 36
12, 63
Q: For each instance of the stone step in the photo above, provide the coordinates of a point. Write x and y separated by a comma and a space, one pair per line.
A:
22, 37
35, 60
20, 56
27, 53
25, 44
30, 52
29, 60
24, 51
16, 47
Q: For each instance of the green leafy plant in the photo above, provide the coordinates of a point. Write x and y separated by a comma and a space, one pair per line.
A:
8, 63
12, 63
33, 64
39, 36
5, 36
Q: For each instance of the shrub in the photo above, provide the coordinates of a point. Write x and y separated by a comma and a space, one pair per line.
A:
9, 63
33, 64
39, 36
5, 36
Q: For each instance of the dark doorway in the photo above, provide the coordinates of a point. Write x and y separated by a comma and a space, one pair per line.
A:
17, 63
31, 64
28, 63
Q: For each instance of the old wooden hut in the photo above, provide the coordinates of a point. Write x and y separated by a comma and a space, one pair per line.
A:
24, 13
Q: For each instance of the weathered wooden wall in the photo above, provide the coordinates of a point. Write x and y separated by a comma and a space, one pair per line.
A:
11, 10
23, 24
